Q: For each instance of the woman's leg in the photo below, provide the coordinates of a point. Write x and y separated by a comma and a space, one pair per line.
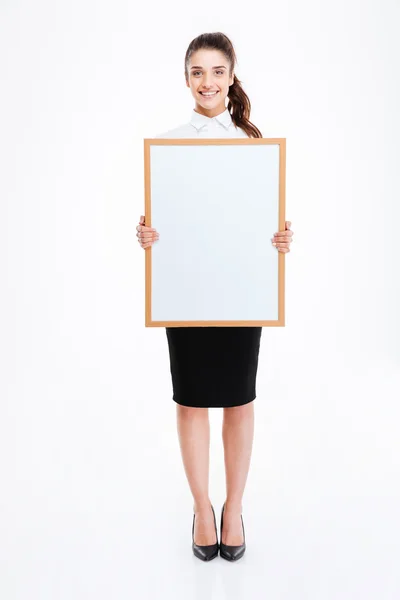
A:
194, 439
237, 435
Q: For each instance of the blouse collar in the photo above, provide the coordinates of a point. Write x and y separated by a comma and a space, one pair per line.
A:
198, 121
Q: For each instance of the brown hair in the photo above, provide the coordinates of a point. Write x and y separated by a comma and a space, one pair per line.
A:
238, 100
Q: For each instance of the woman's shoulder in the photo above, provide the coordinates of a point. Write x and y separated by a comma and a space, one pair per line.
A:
182, 131
188, 131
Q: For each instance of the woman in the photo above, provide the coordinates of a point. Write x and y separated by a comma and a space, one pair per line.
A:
215, 366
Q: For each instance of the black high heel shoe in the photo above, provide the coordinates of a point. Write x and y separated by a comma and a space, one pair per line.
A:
231, 552
205, 552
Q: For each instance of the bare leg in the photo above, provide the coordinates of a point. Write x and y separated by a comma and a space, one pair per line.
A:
237, 435
194, 438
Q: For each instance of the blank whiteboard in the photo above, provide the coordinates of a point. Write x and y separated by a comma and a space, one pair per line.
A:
216, 204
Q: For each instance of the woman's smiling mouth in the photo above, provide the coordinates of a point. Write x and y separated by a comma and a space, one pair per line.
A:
209, 94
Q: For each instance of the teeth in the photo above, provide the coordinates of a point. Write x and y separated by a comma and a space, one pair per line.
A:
208, 93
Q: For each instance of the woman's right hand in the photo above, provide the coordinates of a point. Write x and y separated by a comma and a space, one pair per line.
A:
146, 235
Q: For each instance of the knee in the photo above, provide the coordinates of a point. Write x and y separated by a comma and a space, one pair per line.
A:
239, 412
191, 412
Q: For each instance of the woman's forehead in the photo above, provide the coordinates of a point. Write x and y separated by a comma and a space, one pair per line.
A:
208, 57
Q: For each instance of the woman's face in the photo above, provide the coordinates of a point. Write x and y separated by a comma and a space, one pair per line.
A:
208, 71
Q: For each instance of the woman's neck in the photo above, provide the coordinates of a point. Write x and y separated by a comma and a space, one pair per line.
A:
212, 112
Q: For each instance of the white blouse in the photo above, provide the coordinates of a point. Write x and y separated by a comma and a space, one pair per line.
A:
199, 125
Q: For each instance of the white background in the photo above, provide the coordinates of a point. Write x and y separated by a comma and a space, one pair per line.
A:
94, 500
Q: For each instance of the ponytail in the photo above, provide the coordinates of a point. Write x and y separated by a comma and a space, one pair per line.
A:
240, 104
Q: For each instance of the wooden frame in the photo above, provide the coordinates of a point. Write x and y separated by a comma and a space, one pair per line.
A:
160, 158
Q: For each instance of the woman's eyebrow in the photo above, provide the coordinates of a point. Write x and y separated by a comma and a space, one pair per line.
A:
220, 67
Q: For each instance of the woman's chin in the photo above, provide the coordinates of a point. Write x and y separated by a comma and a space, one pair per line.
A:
211, 104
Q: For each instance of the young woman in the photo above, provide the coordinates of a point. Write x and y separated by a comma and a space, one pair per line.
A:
215, 366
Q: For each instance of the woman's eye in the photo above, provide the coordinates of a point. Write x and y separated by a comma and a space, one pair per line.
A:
219, 71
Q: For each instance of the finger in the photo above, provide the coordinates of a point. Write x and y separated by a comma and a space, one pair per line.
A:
147, 234
144, 228
142, 219
281, 240
285, 250
147, 239
147, 245
287, 224
283, 233
147, 242
281, 244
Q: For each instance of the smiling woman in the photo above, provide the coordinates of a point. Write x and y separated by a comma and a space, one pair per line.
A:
214, 366
209, 72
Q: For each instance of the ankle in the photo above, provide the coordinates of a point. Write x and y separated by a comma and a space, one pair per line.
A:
201, 505
233, 506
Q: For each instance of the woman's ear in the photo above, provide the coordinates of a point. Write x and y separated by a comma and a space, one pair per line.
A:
231, 79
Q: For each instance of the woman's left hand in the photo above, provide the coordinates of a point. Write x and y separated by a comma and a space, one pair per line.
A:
283, 239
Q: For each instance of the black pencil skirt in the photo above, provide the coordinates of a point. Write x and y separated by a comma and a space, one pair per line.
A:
213, 366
